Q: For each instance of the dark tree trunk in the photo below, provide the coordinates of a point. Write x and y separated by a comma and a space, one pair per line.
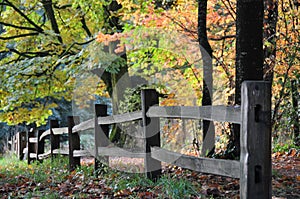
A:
249, 51
206, 53
295, 98
117, 88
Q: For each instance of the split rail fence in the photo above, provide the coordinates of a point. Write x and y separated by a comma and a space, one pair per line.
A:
17, 143
254, 117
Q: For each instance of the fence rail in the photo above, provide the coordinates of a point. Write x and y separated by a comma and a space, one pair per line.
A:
229, 168
36, 144
17, 144
253, 116
211, 113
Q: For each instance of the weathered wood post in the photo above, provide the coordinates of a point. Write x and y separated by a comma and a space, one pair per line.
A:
32, 142
8, 145
74, 143
54, 139
256, 167
21, 144
40, 145
101, 135
18, 148
14, 145
151, 130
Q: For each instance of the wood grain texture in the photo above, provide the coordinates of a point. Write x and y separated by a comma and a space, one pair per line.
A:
101, 136
256, 172
229, 168
113, 119
211, 113
74, 143
120, 118
82, 126
151, 131
120, 152
81, 153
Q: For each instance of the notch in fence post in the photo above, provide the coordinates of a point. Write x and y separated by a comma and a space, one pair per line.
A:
54, 139
101, 135
151, 129
40, 145
256, 163
74, 143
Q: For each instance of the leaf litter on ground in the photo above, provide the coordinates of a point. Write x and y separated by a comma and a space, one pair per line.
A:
22, 181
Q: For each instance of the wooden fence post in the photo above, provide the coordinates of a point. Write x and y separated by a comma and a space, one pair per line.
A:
7, 141
74, 143
18, 143
256, 163
40, 145
101, 135
21, 144
151, 129
54, 139
14, 146
31, 145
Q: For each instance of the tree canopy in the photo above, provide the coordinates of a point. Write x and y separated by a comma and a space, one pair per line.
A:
45, 44
42, 48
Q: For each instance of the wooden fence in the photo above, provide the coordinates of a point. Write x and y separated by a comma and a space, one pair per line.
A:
254, 116
17, 143
36, 143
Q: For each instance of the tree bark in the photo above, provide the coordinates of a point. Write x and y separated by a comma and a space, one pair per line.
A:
295, 97
249, 51
206, 53
118, 81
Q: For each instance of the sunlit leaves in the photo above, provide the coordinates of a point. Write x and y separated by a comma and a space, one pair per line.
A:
286, 66
39, 69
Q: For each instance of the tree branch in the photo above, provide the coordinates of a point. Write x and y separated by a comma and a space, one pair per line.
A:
222, 37
4, 51
230, 9
19, 53
62, 7
76, 43
18, 36
183, 27
47, 4
27, 54
18, 27
38, 28
85, 27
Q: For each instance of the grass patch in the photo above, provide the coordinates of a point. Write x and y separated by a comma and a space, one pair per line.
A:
174, 187
284, 147
51, 179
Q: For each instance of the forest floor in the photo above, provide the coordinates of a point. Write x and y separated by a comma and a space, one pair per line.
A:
176, 183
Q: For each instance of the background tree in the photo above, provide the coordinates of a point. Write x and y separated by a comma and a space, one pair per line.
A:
42, 48
45, 47
206, 52
46, 43
249, 49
